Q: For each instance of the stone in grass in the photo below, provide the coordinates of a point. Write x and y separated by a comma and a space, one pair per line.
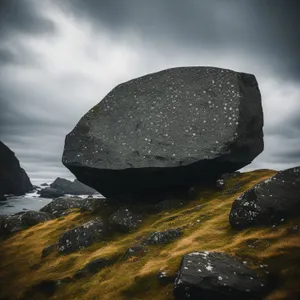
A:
212, 275
134, 251
93, 267
269, 202
81, 236
162, 237
165, 278
22, 220
124, 220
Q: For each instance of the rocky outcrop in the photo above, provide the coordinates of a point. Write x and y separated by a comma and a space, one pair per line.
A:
81, 236
166, 131
16, 222
269, 202
212, 275
50, 193
71, 187
13, 179
163, 237
62, 206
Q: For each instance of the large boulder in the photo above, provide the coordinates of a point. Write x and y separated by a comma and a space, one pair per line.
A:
213, 275
269, 202
166, 131
13, 179
72, 187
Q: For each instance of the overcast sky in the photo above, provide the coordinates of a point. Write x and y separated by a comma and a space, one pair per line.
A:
59, 58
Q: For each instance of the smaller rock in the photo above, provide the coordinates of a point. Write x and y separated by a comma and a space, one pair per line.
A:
162, 237
94, 267
165, 278
45, 184
49, 250
93, 205
213, 275
124, 220
81, 236
22, 220
61, 206
3, 198
50, 193
72, 187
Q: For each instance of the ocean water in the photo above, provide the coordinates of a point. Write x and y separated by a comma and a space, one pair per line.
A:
30, 201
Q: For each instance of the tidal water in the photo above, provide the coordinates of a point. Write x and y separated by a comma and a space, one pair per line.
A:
30, 201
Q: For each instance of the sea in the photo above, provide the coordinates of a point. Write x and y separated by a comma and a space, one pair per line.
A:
29, 201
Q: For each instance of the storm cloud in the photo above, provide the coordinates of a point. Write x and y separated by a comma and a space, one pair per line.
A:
59, 58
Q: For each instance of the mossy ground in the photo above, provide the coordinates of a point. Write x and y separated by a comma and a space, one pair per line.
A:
206, 227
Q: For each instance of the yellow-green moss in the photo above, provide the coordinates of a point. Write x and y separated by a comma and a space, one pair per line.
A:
205, 228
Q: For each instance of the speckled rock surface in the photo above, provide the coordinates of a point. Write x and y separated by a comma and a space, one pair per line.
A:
81, 236
269, 202
124, 220
212, 275
63, 205
162, 237
166, 130
16, 222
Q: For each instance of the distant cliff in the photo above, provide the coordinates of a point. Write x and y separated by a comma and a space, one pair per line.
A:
13, 179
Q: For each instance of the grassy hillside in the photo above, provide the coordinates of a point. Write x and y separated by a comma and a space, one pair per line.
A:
205, 225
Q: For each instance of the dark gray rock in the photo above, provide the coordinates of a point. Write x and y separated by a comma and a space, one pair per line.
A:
124, 220
167, 130
49, 250
81, 236
44, 184
72, 187
16, 222
269, 202
165, 278
13, 179
211, 275
163, 237
94, 267
62, 206
50, 193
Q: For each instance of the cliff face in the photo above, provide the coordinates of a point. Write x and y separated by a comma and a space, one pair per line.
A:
13, 179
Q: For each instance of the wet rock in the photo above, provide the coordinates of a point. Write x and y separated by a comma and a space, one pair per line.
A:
81, 236
49, 250
269, 202
63, 205
124, 220
13, 179
72, 187
212, 275
50, 193
163, 237
23, 220
146, 136
94, 267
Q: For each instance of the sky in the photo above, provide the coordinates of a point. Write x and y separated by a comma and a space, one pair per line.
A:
58, 58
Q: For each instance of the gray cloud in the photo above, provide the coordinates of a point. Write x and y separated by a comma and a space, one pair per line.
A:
271, 30
58, 58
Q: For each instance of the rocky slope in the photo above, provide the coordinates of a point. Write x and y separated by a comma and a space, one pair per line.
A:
142, 251
13, 179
